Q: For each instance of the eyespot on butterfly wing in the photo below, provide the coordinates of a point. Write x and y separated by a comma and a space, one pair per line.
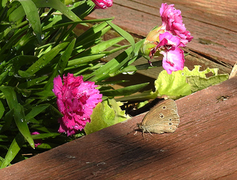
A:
161, 118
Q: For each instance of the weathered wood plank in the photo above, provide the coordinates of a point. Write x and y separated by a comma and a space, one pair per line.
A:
218, 12
212, 23
203, 147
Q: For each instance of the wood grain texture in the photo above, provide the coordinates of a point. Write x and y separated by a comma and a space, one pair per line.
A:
212, 23
203, 147
205, 144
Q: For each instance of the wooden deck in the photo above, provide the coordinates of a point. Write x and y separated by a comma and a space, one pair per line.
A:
205, 144
203, 147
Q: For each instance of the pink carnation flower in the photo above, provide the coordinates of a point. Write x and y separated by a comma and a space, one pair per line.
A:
173, 56
103, 4
37, 141
76, 100
173, 60
172, 21
167, 39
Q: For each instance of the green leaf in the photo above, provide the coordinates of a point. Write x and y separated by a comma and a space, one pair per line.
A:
13, 150
13, 39
173, 85
116, 65
3, 77
47, 146
142, 104
124, 91
105, 114
10, 95
18, 111
3, 3
21, 61
19, 116
54, 24
44, 60
85, 59
8, 118
44, 94
101, 47
17, 14
138, 97
45, 135
62, 64
196, 71
56, 4
32, 82
91, 34
198, 83
116, 49
123, 33
35, 111
111, 67
184, 82
4, 137
32, 15
82, 8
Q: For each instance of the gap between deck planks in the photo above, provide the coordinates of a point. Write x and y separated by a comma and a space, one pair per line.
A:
203, 147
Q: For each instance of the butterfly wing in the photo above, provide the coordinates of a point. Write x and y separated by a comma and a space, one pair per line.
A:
161, 118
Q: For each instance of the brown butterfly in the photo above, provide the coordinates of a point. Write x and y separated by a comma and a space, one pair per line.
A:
161, 118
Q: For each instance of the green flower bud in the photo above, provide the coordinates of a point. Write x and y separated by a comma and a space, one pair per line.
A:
151, 41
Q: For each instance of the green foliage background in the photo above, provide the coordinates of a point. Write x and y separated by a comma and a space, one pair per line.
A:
37, 43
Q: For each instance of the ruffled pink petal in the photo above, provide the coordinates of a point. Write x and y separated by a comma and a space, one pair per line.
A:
76, 102
172, 21
173, 60
57, 86
167, 39
103, 4
37, 142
